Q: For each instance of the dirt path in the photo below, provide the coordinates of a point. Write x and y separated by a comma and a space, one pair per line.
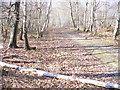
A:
57, 52
106, 52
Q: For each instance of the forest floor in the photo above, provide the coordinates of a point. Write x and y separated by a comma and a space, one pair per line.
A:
62, 51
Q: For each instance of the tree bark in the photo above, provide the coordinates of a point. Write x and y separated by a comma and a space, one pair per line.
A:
106, 12
117, 27
27, 47
93, 18
39, 12
46, 20
85, 16
21, 33
2, 27
71, 12
13, 36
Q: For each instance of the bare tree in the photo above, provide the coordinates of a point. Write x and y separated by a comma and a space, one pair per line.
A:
71, 13
85, 16
117, 27
94, 16
13, 36
106, 12
39, 12
46, 22
25, 25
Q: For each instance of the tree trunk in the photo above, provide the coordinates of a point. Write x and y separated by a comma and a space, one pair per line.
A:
13, 36
21, 33
85, 17
27, 47
71, 12
2, 28
106, 13
93, 18
77, 15
46, 20
117, 27
39, 12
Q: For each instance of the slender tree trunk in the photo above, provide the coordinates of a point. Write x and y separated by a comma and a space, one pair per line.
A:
13, 36
27, 47
39, 12
71, 13
2, 27
116, 30
21, 33
9, 16
106, 12
77, 15
117, 27
46, 21
85, 16
93, 18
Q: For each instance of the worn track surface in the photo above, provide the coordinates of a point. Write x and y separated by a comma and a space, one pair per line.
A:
106, 51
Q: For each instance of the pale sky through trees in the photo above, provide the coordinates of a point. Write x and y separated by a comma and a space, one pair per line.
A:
56, 2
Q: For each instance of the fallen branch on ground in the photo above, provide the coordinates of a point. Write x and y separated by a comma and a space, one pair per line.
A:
11, 56
16, 61
44, 73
